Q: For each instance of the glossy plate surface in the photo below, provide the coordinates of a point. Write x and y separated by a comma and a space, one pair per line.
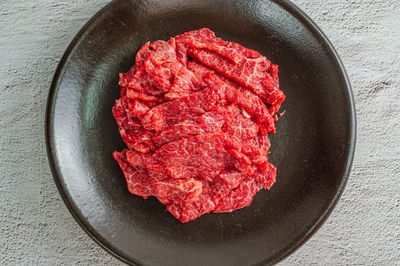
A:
313, 147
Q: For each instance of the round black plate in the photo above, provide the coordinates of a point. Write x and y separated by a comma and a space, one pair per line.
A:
313, 147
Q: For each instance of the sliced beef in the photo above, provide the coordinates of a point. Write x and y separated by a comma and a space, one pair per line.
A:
203, 156
170, 113
232, 177
251, 73
130, 127
258, 147
239, 198
209, 122
242, 128
212, 193
249, 185
195, 112
205, 38
235, 93
142, 184
158, 76
254, 107
202, 72
221, 120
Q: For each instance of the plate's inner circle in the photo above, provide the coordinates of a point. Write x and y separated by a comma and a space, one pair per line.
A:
311, 148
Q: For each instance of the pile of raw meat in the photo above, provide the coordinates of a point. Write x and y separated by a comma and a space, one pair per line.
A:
195, 112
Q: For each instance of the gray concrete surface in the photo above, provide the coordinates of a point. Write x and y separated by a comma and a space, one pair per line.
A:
35, 226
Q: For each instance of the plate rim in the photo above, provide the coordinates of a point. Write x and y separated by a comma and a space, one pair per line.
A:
52, 158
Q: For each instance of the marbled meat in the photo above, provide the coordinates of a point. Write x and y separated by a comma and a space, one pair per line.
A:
195, 113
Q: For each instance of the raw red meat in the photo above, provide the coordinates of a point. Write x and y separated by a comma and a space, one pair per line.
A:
202, 156
248, 100
167, 114
205, 38
253, 106
195, 112
249, 72
209, 122
130, 127
211, 194
248, 186
142, 184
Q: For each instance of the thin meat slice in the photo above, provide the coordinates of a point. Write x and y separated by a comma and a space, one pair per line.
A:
160, 65
239, 198
168, 114
209, 122
138, 159
218, 117
258, 149
280, 97
228, 119
130, 127
120, 111
222, 119
139, 83
253, 106
137, 179
243, 195
139, 139
241, 128
150, 78
188, 190
205, 38
189, 211
181, 51
142, 184
232, 177
202, 156
183, 85
211, 194
185, 129
202, 72
250, 73
254, 98
158, 75
266, 177
219, 197
150, 100
137, 108
167, 73
137, 79
136, 85
236, 93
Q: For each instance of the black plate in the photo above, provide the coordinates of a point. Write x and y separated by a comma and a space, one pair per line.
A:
313, 147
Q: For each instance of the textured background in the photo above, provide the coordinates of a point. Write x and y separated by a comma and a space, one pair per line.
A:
35, 226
